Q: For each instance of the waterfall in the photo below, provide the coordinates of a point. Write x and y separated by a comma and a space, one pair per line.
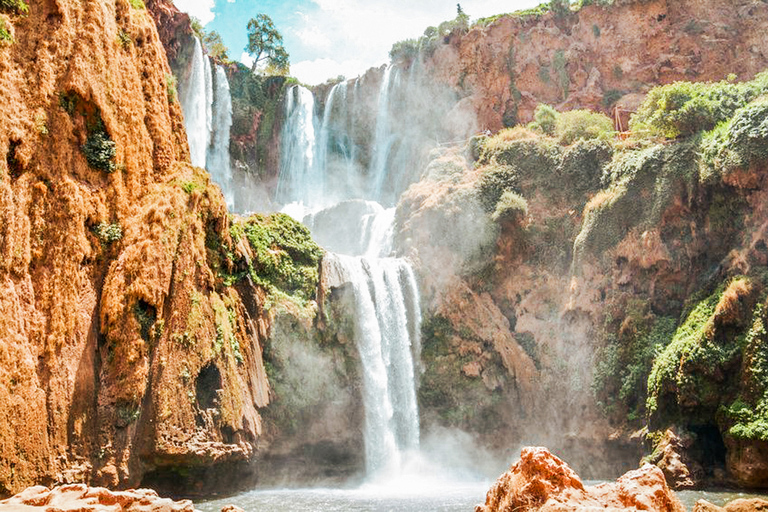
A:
387, 314
301, 178
318, 158
217, 162
382, 139
195, 103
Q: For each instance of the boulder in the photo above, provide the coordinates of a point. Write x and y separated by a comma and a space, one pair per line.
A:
740, 505
541, 481
81, 498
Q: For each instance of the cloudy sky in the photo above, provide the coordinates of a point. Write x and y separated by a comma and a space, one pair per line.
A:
327, 38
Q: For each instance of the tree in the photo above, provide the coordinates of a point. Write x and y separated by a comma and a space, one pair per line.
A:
215, 47
265, 44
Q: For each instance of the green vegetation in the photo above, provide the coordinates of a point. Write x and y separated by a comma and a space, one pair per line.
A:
14, 6
623, 365
685, 108
100, 150
747, 416
171, 88
137, 4
738, 143
124, 39
511, 207
576, 125
108, 232
5, 34
458, 400
286, 259
433, 37
495, 181
573, 125
265, 45
686, 374
544, 119
215, 47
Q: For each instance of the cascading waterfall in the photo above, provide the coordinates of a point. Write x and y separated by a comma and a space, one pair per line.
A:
207, 107
218, 162
383, 138
387, 325
386, 300
195, 103
301, 178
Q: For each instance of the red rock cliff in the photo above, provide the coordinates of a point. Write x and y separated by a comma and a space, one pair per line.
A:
112, 318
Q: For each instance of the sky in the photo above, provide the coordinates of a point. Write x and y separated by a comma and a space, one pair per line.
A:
328, 38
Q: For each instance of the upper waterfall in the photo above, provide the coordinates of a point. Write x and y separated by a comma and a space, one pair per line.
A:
217, 161
196, 104
207, 106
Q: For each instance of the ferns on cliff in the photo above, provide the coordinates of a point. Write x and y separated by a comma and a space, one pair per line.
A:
5, 34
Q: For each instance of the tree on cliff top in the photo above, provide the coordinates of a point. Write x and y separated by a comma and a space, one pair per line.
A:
265, 45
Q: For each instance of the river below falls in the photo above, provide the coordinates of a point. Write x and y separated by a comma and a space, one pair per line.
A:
411, 497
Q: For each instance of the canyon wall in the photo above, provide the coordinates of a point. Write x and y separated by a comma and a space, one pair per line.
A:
131, 335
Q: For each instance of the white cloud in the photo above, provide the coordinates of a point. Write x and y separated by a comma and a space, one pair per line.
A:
317, 71
200, 9
344, 31
246, 59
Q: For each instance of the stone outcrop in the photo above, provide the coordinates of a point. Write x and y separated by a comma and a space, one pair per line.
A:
124, 353
740, 505
80, 498
599, 57
541, 481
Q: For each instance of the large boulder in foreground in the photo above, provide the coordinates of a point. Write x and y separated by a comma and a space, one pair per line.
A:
81, 498
540, 481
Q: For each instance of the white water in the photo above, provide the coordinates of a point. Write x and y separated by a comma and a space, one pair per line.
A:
218, 162
301, 178
195, 103
383, 139
207, 106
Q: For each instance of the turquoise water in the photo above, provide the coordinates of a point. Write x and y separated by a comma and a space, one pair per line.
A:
413, 495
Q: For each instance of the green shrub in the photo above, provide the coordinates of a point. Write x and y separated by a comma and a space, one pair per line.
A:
495, 181
685, 375
100, 150
685, 108
583, 124
171, 88
583, 163
14, 6
5, 34
622, 366
737, 143
286, 259
108, 233
544, 119
137, 4
510, 207
124, 39
559, 64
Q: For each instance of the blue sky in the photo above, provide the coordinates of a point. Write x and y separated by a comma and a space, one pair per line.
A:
327, 38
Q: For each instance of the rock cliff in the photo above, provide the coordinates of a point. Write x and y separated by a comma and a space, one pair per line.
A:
131, 329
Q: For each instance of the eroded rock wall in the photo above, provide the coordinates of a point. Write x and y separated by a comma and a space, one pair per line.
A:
122, 349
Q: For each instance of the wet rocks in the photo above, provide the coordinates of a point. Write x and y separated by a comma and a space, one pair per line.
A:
81, 498
541, 481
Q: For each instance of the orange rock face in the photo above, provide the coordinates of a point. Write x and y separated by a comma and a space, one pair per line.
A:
541, 481
592, 58
109, 301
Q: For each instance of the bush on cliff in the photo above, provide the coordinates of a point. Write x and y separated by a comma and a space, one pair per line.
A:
738, 143
684, 108
575, 125
14, 6
687, 378
511, 207
100, 150
286, 259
